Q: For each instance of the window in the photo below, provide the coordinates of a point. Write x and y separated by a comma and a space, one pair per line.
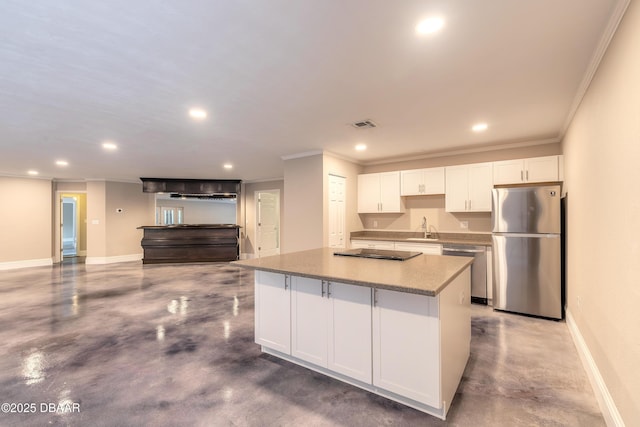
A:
167, 216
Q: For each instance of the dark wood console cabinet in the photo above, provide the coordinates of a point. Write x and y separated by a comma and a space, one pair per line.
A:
190, 243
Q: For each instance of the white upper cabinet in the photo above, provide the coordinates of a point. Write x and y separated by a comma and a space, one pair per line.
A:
418, 182
379, 192
468, 187
519, 171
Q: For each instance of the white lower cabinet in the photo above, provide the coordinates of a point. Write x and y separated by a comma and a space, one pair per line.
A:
372, 244
425, 248
406, 345
273, 311
331, 326
350, 331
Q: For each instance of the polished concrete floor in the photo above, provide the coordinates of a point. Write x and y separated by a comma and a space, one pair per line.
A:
127, 345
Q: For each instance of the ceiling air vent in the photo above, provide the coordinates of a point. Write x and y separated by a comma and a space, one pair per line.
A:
364, 124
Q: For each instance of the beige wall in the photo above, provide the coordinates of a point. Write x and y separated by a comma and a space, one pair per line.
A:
123, 237
248, 213
109, 233
96, 219
602, 173
303, 204
349, 171
25, 219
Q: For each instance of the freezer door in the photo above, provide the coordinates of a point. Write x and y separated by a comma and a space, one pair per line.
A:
527, 274
526, 209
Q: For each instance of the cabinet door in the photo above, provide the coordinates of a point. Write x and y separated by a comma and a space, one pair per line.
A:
372, 244
480, 186
368, 193
390, 192
541, 169
434, 181
309, 315
350, 330
272, 311
425, 248
406, 345
457, 189
508, 172
411, 182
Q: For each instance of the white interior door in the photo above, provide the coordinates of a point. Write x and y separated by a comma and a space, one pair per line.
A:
336, 211
267, 222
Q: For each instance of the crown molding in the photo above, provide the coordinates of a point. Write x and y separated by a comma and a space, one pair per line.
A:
596, 58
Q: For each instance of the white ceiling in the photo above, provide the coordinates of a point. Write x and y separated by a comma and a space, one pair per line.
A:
282, 77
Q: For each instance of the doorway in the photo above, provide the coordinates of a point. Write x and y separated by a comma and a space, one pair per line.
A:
72, 235
69, 226
267, 222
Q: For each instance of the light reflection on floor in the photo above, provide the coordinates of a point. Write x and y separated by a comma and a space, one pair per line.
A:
173, 345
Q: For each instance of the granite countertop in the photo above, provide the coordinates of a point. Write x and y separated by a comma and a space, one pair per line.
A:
481, 239
424, 274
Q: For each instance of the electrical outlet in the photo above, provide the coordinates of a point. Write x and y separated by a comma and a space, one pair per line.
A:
464, 224
375, 224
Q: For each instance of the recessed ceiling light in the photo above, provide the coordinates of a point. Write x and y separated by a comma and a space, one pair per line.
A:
197, 114
361, 147
32, 172
228, 166
109, 146
430, 25
62, 163
479, 127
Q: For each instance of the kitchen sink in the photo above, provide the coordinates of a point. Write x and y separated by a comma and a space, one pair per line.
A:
422, 239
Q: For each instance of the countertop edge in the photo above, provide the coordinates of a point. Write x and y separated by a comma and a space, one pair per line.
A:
397, 288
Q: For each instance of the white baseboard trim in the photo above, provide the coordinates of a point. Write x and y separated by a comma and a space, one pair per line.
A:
10, 265
607, 405
112, 259
247, 256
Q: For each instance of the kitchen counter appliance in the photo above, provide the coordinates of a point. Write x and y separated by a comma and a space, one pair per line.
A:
379, 254
527, 250
478, 268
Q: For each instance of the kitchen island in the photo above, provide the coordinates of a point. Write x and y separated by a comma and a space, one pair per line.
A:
190, 243
400, 329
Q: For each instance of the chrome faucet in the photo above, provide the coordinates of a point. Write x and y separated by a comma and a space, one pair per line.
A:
424, 227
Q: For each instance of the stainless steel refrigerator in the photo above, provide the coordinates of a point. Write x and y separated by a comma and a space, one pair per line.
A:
527, 273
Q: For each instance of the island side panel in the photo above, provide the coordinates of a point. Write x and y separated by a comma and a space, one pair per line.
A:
455, 333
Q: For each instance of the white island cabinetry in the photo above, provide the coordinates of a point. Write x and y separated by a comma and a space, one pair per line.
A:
273, 319
331, 326
380, 325
406, 345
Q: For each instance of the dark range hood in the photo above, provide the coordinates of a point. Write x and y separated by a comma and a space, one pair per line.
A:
193, 188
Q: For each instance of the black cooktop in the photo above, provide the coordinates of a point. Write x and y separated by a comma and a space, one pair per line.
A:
379, 254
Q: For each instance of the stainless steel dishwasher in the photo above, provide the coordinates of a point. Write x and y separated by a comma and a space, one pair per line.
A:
478, 268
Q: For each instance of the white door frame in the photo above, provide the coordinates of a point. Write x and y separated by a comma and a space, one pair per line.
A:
57, 232
256, 195
341, 213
